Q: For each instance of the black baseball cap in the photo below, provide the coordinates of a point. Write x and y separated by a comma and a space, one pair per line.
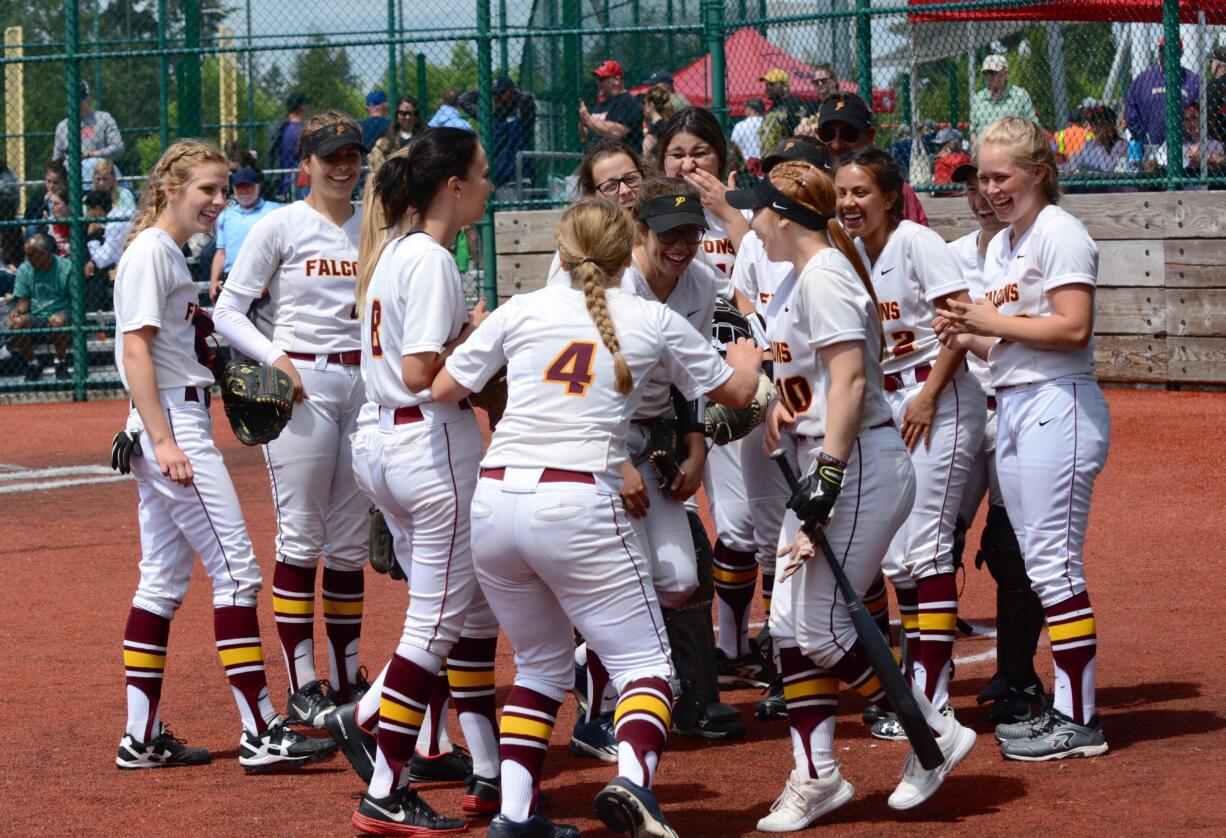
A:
328, 139
965, 173
245, 176
764, 194
671, 211
793, 148
847, 108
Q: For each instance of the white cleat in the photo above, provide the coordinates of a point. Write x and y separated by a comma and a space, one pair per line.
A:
917, 783
804, 800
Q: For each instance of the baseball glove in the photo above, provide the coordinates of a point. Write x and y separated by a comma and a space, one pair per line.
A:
259, 401
728, 424
382, 550
662, 454
493, 397
727, 325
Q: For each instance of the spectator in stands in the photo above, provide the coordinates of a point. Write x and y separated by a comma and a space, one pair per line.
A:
59, 208
616, 115
1194, 150
657, 108
844, 125
237, 157
825, 81
900, 149
1145, 102
786, 111
283, 151
1072, 138
104, 238
44, 300
11, 250
1105, 150
746, 132
234, 223
100, 137
448, 114
376, 121
397, 135
998, 98
514, 127
679, 102
950, 156
55, 176
105, 180
1215, 95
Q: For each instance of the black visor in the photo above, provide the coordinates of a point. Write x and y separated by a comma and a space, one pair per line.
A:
766, 195
671, 211
326, 140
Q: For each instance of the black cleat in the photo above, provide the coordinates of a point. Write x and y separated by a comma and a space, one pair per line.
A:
482, 796
873, 714
748, 671
162, 751
629, 809
309, 705
773, 708
281, 747
534, 827
451, 767
356, 744
403, 813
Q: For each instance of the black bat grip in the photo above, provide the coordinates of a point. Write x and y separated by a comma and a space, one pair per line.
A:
781, 460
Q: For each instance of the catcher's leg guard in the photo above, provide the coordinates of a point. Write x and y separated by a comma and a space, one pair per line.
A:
1019, 614
691, 635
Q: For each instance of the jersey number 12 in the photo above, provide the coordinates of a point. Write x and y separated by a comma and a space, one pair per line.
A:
573, 367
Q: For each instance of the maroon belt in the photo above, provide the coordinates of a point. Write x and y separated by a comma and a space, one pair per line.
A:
991, 402
352, 358
192, 394
412, 413
888, 423
894, 381
549, 475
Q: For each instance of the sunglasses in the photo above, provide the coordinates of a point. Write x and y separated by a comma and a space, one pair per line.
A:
691, 235
612, 186
406, 113
826, 80
846, 133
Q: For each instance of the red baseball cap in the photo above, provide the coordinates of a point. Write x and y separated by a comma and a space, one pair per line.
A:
608, 69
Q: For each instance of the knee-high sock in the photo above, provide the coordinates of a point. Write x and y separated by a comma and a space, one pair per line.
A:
641, 722
736, 574
527, 723
238, 645
597, 683
908, 611
433, 740
406, 688
938, 623
768, 587
1074, 646
812, 695
854, 669
877, 604
293, 605
470, 674
344, 592
144, 660
368, 708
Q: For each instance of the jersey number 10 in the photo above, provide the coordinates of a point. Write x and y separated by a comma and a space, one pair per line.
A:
573, 367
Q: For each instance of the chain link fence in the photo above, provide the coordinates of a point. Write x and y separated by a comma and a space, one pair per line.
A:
95, 90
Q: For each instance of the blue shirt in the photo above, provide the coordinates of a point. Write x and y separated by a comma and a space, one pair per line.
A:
449, 117
372, 128
1145, 104
233, 225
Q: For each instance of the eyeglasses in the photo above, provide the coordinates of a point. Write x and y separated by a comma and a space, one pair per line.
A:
823, 80
613, 185
406, 113
691, 235
830, 132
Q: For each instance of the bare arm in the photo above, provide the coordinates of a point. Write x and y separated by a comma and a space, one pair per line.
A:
143, 389
917, 422
1069, 326
420, 369
219, 262
845, 401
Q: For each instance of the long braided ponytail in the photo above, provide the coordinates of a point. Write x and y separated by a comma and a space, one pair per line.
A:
174, 170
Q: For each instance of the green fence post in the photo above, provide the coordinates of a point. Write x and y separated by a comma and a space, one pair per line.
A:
762, 13
636, 42
671, 16
864, 50
504, 61
163, 77
485, 109
191, 108
904, 102
250, 85
572, 72
713, 30
96, 26
393, 81
72, 95
953, 94
1174, 94
608, 36
423, 86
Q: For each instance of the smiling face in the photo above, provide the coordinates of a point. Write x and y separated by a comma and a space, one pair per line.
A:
766, 224
615, 179
247, 195
406, 117
981, 208
686, 153
194, 208
335, 175
669, 260
860, 203
1014, 192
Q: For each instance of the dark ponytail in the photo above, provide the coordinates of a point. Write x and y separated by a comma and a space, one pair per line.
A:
407, 184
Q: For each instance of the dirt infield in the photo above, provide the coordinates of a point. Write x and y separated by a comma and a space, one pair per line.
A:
68, 563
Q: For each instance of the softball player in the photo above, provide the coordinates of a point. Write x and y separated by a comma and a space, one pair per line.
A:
937, 404
417, 460
1015, 689
826, 337
579, 361
187, 502
305, 256
1035, 326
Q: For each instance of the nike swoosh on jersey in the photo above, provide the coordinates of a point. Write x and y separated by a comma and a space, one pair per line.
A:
692, 313
1045, 421
885, 271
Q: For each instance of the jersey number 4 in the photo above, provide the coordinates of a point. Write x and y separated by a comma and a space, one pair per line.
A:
376, 320
573, 367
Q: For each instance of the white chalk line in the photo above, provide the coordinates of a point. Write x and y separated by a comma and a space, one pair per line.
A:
37, 473
9, 488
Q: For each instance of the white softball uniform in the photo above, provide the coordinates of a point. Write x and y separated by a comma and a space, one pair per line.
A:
1053, 425
308, 266
154, 288
418, 460
552, 543
717, 245
829, 305
667, 534
914, 270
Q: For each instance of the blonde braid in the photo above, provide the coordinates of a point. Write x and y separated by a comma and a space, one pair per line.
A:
174, 170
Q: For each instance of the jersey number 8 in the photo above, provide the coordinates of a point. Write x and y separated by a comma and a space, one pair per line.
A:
376, 318
573, 367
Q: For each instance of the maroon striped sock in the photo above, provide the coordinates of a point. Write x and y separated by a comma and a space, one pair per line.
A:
768, 588
527, 723
877, 604
343, 596
406, 689
908, 612
736, 574
642, 720
938, 623
854, 670
811, 694
144, 661
238, 645
470, 674
1074, 647
436, 713
293, 606
597, 681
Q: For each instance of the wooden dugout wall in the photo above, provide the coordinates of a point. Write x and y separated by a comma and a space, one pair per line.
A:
1161, 307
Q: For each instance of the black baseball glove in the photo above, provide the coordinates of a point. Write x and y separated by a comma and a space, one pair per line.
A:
815, 497
662, 453
259, 401
382, 550
124, 447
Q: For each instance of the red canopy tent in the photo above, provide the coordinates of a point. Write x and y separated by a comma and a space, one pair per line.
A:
1119, 11
748, 56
